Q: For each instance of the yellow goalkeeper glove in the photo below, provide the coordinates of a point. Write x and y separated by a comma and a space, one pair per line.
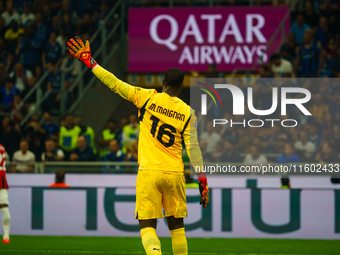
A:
204, 190
81, 51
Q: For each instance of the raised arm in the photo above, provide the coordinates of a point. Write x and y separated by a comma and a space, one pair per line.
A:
82, 52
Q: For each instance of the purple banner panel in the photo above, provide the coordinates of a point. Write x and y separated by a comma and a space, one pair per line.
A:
192, 38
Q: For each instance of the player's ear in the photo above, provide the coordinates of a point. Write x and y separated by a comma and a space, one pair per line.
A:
182, 85
163, 83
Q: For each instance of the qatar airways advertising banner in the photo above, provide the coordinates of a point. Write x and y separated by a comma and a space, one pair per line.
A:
192, 38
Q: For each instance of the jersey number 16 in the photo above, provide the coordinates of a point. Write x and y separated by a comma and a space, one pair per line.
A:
162, 132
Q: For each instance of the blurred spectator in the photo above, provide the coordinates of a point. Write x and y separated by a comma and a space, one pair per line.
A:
336, 137
24, 159
130, 132
244, 138
10, 15
275, 140
23, 78
3, 72
37, 5
103, 11
332, 47
289, 49
307, 61
51, 128
255, 157
7, 93
231, 153
70, 12
325, 69
12, 35
18, 110
212, 71
27, 17
2, 29
218, 154
189, 180
52, 102
115, 155
119, 137
313, 130
59, 180
211, 137
71, 67
35, 136
336, 65
52, 53
132, 154
19, 5
299, 28
305, 148
29, 49
56, 25
12, 137
280, 66
327, 154
319, 109
87, 132
51, 153
67, 27
68, 135
311, 17
334, 24
87, 26
41, 28
288, 155
322, 32
83, 152
205, 154
47, 13
285, 183
107, 135
4, 120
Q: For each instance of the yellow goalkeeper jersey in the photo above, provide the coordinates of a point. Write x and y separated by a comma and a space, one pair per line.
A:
165, 122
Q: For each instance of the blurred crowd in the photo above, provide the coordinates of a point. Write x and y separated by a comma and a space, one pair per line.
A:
33, 34
43, 140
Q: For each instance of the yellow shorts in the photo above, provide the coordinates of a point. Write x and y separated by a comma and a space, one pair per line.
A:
156, 189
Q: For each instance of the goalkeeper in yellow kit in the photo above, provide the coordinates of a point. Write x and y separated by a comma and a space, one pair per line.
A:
165, 120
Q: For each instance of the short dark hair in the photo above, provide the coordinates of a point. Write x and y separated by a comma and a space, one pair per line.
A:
274, 57
285, 181
60, 176
112, 121
174, 77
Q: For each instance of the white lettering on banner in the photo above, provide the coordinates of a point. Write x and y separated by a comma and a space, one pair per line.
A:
254, 24
211, 25
206, 54
255, 29
249, 53
223, 53
238, 55
231, 28
173, 34
191, 28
